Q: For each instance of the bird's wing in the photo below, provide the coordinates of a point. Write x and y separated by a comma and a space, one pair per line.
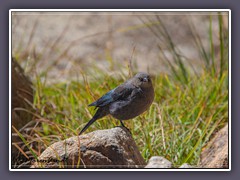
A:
121, 92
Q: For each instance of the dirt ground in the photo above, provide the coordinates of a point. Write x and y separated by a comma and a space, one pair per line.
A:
67, 41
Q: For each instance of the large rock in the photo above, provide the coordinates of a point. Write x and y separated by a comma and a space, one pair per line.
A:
215, 154
22, 98
113, 148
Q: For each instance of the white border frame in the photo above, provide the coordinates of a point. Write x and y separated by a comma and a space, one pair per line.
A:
120, 10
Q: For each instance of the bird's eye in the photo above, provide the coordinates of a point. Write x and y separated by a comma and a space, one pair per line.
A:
141, 79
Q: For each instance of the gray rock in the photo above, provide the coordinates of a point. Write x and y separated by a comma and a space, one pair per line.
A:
158, 162
113, 148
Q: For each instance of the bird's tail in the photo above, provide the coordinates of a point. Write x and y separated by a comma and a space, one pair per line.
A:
88, 124
99, 114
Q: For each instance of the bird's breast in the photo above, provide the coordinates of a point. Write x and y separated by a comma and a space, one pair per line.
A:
132, 106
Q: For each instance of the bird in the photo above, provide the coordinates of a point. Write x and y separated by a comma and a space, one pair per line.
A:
126, 101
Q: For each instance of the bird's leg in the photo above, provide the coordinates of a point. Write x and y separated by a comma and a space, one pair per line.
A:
122, 124
125, 126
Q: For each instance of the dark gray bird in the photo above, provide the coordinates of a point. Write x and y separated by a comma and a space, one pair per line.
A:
126, 101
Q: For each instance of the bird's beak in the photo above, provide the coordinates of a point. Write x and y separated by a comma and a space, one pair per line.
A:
145, 79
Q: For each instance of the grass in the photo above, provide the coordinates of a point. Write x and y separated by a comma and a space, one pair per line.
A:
189, 106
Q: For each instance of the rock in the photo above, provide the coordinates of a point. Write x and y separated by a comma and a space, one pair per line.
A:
215, 154
112, 148
186, 165
158, 162
22, 97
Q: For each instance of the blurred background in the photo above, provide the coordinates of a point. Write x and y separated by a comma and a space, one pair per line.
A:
67, 41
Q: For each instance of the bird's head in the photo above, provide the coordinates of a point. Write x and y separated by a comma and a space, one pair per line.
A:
143, 80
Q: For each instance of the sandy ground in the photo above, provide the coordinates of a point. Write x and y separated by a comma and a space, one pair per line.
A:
67, 41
